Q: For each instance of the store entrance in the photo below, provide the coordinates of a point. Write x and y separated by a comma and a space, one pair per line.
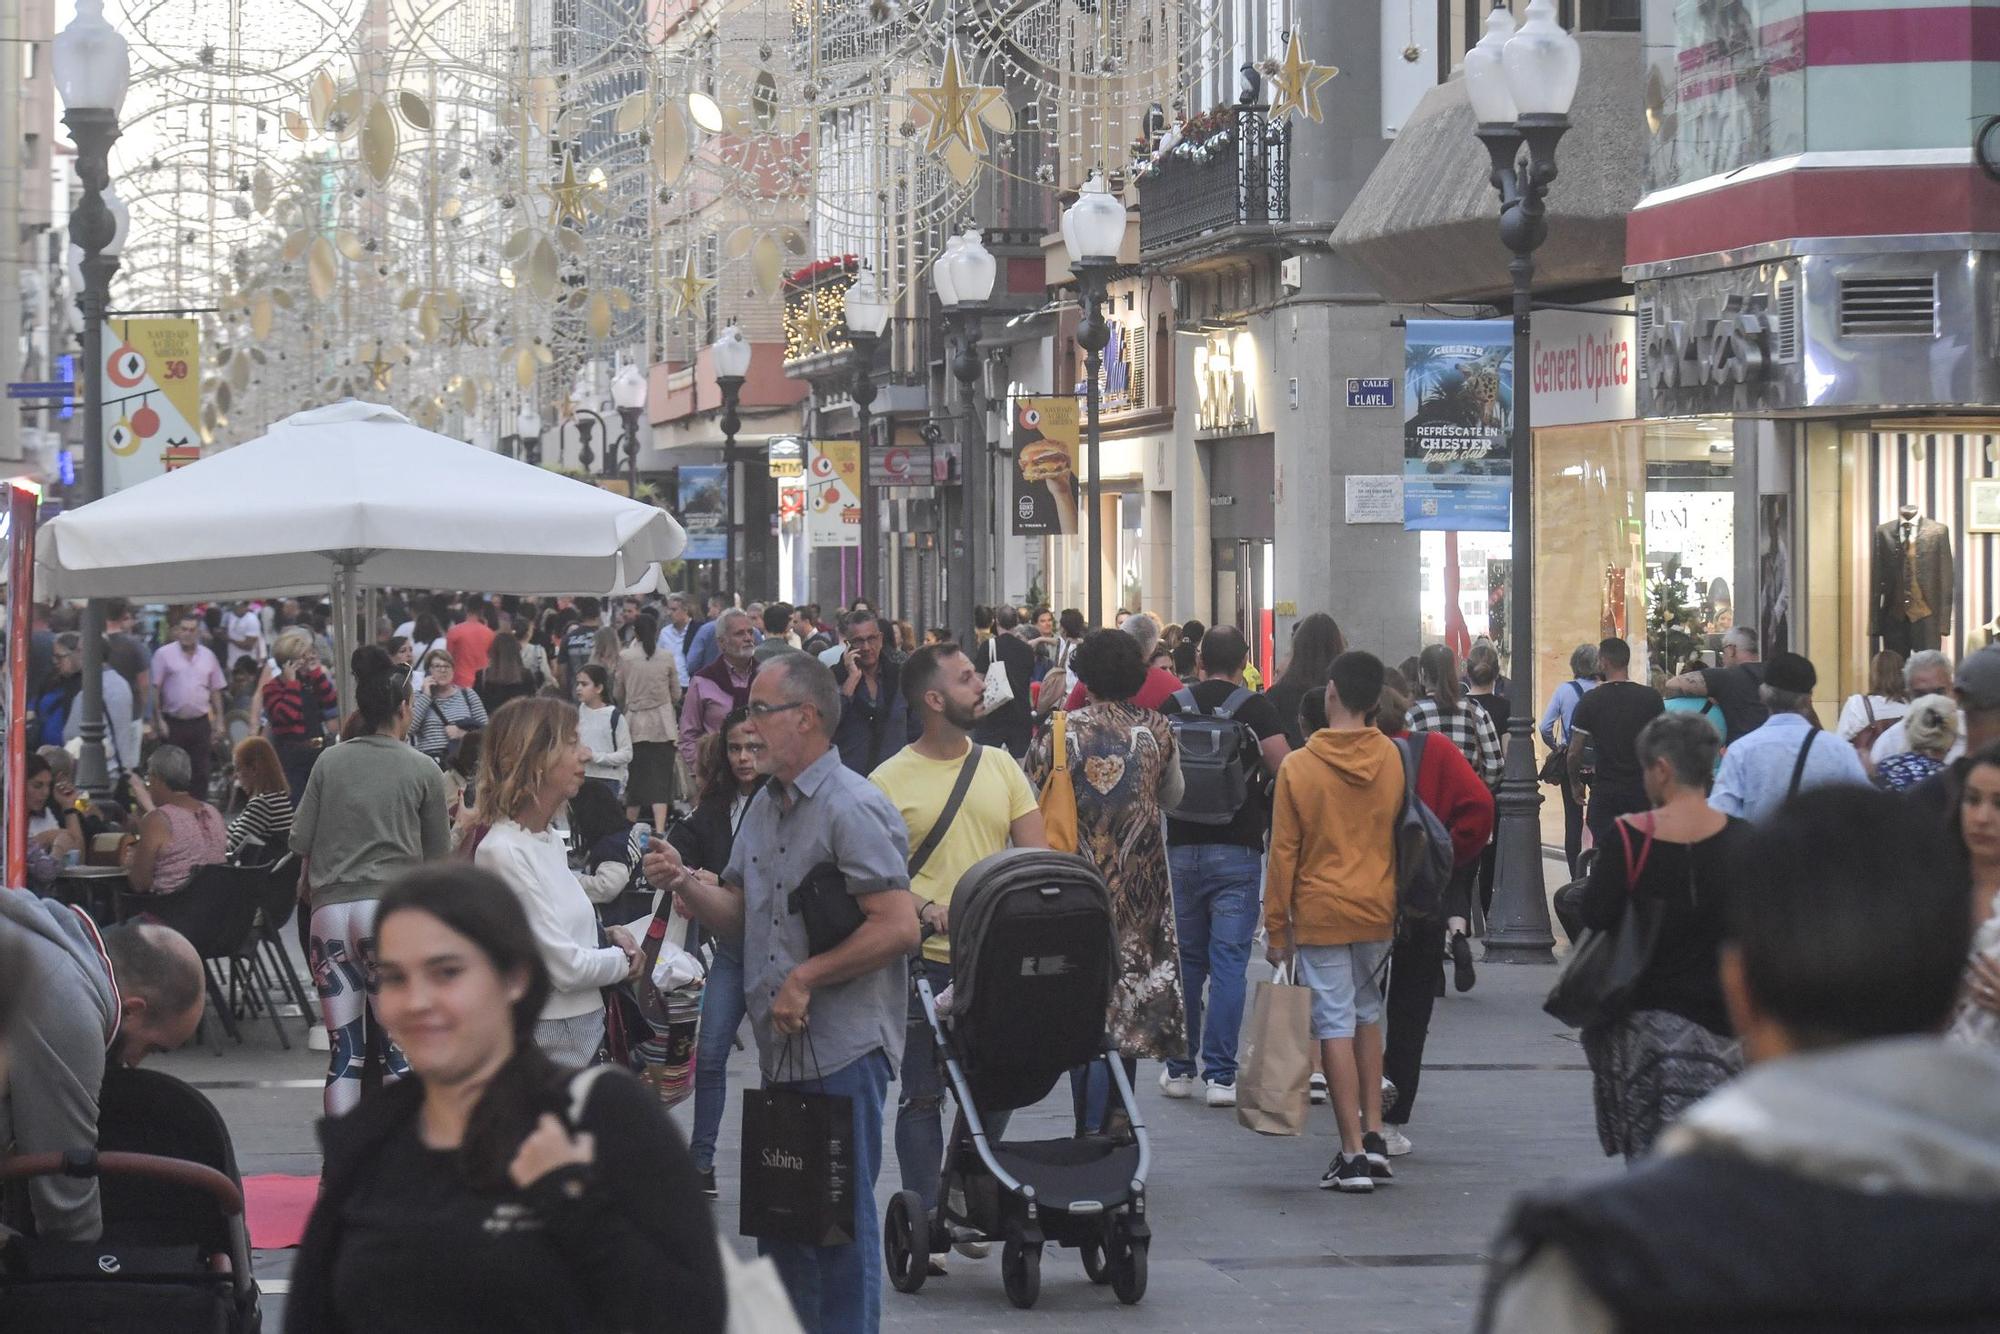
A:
1242, 595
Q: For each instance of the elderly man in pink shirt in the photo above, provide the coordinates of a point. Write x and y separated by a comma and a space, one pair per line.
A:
187, 694
721, 686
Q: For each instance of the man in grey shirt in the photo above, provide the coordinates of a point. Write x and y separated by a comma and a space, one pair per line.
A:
813, 811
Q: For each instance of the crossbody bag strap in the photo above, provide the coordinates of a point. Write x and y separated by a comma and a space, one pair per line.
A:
1799, 766
967, 771
1635, 869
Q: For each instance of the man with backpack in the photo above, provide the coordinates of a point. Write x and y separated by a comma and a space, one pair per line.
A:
1231, 741
1331, 902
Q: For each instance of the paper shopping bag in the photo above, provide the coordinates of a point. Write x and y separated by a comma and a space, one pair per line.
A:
1274, 1076
798, 1167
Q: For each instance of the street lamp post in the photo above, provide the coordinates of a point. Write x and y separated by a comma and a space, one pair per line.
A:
867, 312
1520, 84
92, 66
588, 420
528, 427
628, 391
963, 277
730, 354
1093, 231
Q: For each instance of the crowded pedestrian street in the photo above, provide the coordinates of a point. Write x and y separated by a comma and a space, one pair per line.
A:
739, 667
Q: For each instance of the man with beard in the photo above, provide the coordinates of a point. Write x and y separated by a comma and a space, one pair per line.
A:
962, 802
98, 999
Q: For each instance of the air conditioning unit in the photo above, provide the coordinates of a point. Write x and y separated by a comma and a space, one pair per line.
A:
1291, 272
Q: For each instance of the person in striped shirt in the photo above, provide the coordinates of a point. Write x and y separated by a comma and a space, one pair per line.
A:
259, 832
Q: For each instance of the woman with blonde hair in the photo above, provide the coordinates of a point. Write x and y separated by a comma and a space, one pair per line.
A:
1931, 728
257, 833
530, 765
294, 704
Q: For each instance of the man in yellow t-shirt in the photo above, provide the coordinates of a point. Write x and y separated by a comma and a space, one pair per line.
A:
941, 685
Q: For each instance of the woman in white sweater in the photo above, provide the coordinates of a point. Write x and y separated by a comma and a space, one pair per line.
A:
531, 765
603, 728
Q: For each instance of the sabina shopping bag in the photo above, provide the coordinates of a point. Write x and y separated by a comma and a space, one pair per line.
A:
798, 1167
1274, 1075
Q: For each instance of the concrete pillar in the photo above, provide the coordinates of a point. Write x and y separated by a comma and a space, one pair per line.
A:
1192, 552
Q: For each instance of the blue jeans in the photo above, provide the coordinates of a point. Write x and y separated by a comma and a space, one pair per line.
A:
1215, 915
920, 1108
721, 1016
838, 1289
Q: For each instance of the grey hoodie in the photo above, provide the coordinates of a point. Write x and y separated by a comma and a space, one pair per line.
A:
58, 1050
1910, 1116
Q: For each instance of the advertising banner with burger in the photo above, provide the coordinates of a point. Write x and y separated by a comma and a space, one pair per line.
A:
1045, 466
833, 493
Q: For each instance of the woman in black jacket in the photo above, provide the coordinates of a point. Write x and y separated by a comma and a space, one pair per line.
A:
727, 782
487, 1192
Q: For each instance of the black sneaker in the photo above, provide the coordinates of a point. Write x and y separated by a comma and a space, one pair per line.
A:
1461, 961
708, 1182
1348, 1175
1376, 1150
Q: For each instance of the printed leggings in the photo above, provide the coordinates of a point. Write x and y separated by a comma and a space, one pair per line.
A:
342, 954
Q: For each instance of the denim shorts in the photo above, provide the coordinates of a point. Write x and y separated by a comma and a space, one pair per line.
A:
1344, 984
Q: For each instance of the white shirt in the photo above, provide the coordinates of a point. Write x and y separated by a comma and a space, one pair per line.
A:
610, 754
536, 868
1854, 713
1895, 741
248, 626
674, 639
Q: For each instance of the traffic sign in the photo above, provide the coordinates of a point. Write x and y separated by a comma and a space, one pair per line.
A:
40, 389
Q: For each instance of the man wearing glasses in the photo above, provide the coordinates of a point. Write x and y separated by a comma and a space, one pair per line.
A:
1733, 685
875, 721
816, 811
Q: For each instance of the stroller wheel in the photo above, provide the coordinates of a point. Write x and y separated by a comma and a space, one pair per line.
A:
906, 1241
1128, 1272
1095, 1262
1021, 1271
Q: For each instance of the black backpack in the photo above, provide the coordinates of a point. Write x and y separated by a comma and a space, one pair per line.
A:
1219, 758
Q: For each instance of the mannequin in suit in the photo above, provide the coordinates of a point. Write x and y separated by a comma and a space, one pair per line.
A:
1913, 591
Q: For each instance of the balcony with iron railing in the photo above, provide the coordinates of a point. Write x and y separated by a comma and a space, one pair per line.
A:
1228, 169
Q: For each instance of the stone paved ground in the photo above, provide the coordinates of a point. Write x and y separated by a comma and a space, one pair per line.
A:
1243, 1238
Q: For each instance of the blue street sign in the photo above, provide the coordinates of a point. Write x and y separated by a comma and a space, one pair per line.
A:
40, 389
66, 367
1371, 393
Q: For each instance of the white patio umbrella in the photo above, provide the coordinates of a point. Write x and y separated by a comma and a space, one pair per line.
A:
351, 496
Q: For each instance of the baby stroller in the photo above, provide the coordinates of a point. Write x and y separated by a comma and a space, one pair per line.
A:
1033, 961
175, 1255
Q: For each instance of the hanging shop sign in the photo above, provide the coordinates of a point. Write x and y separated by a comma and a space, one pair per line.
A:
1223, 398
152, 399
1458, 408
1583, 367
833, 493
705, 511
786, 455
1045, 466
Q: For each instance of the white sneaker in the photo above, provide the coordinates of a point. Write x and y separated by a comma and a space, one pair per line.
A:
1221, 1095
1398, 1143
973, 1250
1177, 1086
316, 1039
1319, 1088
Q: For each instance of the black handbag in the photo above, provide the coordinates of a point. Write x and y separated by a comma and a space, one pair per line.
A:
1605, 966
798, 1178
830, 913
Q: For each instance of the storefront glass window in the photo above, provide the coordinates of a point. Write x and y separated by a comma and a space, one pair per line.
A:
1725, 85
1590, 495
1690, 539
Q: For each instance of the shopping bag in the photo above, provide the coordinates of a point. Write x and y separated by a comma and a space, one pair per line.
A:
757, 1300
999, 690
798, 1167
1058, 799
1274, 1076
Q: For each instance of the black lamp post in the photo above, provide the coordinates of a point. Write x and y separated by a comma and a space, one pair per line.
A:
1520, 85
963, 277
92, 66
731, 357
628, 391
1093, 231
867, 312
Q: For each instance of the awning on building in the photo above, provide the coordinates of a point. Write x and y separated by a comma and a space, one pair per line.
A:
1425, 225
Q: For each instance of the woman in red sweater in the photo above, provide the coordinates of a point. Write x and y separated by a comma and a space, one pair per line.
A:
1448, 784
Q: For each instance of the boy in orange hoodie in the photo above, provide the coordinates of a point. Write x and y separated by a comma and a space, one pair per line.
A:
1330, 903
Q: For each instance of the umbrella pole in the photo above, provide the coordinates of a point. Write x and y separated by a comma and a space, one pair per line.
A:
344, 642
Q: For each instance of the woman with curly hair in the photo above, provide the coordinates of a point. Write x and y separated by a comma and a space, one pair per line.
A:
1127, 775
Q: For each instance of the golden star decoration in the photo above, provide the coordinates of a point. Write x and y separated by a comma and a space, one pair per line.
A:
1298, 82
463, 331
955, 107
379, 368
688, 287
568, 195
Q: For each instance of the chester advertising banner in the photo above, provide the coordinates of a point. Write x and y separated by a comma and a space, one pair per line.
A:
1045, 466
1458, 411
833, 493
